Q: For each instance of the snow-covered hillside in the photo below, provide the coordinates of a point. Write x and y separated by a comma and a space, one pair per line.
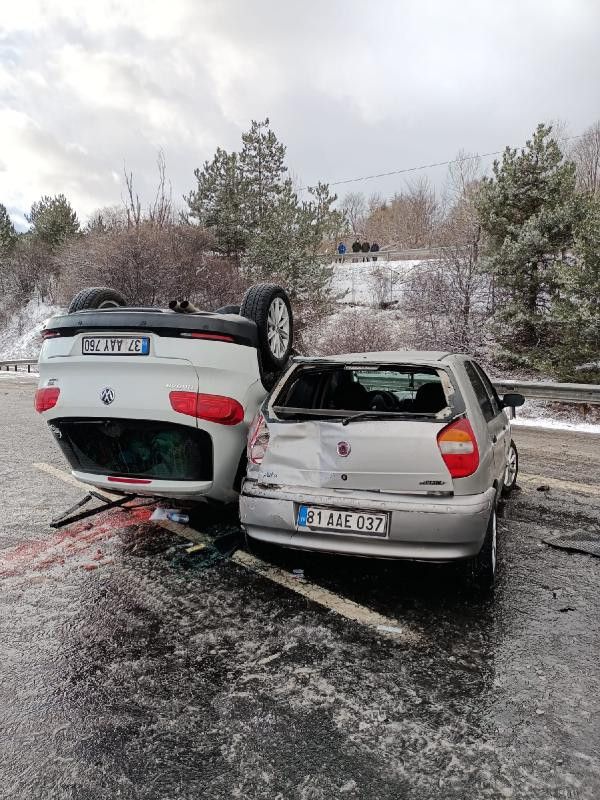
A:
20, 338
369, 283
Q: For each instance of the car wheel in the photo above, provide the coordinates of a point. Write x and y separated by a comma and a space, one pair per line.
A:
482, 568
269, 307
97, 297
512, 470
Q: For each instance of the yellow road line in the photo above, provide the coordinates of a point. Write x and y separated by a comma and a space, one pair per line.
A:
556, 483
312, 591
334, 602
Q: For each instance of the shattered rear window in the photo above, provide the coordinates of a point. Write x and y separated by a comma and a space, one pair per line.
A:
381, 388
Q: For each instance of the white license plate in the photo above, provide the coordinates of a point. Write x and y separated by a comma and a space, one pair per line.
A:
341, 521
115, 345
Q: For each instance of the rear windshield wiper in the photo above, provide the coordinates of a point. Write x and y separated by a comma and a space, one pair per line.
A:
385, 415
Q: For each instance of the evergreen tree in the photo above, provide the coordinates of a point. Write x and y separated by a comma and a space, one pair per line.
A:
8, 234
251, 207
262, 165
218, 202
288, 242
528, 210
575, 314
53, 220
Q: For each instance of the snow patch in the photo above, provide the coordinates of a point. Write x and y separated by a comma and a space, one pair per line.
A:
556, 424
355, 283
20, 338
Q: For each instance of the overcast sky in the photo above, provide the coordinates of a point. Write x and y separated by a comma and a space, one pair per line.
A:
352, 87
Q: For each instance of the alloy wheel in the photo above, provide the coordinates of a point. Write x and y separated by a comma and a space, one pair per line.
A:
510, 472
278, 327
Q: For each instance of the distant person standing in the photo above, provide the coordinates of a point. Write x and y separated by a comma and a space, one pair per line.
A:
365, 247
374, 249
341, 248
356, 248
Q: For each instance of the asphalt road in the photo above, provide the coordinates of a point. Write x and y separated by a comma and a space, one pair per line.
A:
130, 668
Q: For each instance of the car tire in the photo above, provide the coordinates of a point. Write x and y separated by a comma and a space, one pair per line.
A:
482, 568
512, 470
96, 297
268, 305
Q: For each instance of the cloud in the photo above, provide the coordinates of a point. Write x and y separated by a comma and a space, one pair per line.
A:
351, 87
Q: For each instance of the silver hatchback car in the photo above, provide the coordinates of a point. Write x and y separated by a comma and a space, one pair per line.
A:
392, 454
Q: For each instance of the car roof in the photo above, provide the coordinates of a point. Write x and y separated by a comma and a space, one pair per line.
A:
387, 356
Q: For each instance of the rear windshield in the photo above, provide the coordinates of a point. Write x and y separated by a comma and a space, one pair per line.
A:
135, 448
394, 389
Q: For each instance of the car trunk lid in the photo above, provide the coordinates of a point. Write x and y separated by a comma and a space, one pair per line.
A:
395, 455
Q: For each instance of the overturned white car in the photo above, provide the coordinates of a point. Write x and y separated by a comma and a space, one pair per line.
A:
156, 401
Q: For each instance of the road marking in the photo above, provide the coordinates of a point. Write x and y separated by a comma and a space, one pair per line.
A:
66, 477
333, 602
569, 486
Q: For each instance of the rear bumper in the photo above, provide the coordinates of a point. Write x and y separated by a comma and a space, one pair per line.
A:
420, 528
154, 488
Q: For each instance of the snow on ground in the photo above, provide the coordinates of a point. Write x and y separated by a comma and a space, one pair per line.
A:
556, 424
366, 283
20, 338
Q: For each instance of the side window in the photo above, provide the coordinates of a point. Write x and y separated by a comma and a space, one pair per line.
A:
480, 391
490, 388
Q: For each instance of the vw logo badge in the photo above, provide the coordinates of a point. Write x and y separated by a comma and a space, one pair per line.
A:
107, 395
343, 449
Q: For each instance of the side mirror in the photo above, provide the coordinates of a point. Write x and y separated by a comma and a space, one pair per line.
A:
512, 400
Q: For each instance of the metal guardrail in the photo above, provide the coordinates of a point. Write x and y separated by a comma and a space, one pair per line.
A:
557, 392
534, 390
18, 362
416, 254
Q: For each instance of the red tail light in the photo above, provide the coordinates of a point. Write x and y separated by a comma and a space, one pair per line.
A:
50, 334
217, 337
258, 440
136, 481
46, 398
211, 407
458, 447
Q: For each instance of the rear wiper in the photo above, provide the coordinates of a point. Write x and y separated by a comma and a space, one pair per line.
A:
385, 415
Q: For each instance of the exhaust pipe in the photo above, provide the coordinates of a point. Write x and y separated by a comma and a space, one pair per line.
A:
174, 305
188, 308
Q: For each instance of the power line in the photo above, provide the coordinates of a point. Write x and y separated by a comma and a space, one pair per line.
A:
429, 166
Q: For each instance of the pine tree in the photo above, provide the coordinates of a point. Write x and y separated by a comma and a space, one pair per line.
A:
8, 234
218, 202
287, 244
528, 210
53, 220
575, 314
262, 165
251, 207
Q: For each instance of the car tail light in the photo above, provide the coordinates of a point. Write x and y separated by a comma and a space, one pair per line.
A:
46, 398
258, 440
216, 337
50, 334
458, 447
211, 407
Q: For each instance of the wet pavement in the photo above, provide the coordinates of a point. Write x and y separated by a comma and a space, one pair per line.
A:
131, 669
